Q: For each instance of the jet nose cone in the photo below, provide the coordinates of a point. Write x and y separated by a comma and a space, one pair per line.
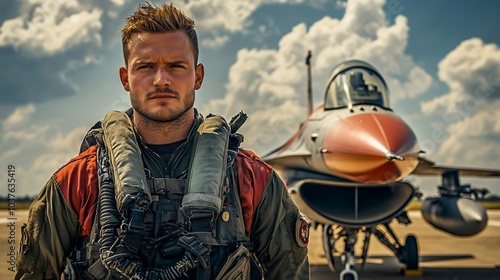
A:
371, 147
392, 156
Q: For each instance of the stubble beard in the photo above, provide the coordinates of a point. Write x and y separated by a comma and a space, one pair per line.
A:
166, 114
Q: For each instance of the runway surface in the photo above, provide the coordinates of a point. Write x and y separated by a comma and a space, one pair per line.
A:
442, 256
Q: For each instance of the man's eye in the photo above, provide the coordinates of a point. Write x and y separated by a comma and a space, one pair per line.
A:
143, 67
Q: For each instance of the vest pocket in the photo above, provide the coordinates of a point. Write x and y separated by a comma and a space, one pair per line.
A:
29, 258
237, 266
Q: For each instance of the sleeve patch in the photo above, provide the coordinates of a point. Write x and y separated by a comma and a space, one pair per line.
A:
302, 232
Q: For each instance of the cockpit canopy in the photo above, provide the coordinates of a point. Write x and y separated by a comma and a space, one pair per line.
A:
356, 82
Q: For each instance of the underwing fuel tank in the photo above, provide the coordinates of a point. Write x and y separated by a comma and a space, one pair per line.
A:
456, 215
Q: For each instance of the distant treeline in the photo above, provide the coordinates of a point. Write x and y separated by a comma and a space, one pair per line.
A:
18, 198
28, 198
18, 203
491, 201
491, 197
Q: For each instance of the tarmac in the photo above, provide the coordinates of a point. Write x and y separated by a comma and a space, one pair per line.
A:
442, 256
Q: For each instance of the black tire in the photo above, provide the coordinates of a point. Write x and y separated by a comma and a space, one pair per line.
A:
348, 276
411, 252
333, 257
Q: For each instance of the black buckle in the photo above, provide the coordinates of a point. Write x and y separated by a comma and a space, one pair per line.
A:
201, 221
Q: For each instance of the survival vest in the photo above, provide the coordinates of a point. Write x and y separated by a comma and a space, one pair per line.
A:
165, 228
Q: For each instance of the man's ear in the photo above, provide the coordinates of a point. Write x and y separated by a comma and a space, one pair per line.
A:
124, 78
200, 73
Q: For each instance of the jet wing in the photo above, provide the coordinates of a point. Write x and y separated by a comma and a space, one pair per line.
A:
292, 153
428, 167
287, 158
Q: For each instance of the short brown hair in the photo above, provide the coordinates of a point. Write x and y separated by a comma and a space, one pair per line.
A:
158, 19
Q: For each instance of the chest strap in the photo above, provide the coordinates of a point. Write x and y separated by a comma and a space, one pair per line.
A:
166, 185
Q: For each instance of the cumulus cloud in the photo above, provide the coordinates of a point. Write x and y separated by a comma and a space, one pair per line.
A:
222, 17
35, 147
41, 31
270, 83
215, 42
45, 41
471, 72
46, 158
473, 141
19, 116
466, 117
37, 40
230, 15
217, 14
118, 2
30, 135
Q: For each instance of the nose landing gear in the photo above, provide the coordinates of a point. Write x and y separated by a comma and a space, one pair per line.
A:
348, 273
343, 261
337, 260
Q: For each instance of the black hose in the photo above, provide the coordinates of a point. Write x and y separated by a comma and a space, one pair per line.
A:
109, 216
113, 252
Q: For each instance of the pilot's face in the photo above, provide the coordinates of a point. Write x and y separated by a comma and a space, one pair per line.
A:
161, 75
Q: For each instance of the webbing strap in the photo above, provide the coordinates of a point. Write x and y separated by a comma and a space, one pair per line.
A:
202, 226
167, 185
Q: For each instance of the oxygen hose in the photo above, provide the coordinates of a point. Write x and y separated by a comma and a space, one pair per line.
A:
114, 254
109, 216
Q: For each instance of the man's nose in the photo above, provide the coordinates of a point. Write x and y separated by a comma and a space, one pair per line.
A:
161, 78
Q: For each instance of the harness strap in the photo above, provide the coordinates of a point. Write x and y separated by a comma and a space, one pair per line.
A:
210, 175
164, 185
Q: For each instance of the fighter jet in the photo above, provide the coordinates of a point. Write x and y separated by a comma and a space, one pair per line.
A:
346, 165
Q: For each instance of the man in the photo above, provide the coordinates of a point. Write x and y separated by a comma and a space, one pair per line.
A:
161, 192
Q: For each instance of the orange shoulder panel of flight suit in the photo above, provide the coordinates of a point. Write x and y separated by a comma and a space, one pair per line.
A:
78, 181
253, 176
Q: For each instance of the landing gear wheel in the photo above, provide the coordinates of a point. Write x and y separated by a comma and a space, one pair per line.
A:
348, 277
410, 250
348, 274
333, 257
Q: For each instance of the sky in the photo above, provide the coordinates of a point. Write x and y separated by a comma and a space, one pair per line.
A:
441, 60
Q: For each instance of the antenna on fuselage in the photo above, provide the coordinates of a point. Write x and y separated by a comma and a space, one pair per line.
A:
309, 84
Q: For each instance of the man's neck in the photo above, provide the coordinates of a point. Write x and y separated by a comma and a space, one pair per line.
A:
158, 133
